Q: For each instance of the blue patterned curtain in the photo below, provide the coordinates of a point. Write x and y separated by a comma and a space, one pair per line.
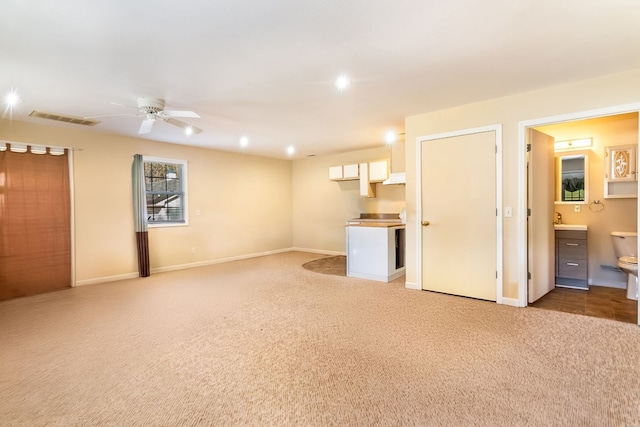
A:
140, 215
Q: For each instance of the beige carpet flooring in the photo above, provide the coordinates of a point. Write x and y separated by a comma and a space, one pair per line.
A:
265, 342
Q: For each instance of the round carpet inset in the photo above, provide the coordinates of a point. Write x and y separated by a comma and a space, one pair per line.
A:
335, 265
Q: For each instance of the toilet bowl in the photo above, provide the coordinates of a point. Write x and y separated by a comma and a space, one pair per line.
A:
625, 245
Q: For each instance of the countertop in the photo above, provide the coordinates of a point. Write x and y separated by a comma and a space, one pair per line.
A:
570, 227
376, 224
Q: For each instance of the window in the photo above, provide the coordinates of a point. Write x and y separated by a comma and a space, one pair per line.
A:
165, 186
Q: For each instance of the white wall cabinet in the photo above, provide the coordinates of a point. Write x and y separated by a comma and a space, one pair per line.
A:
368, 173
621, 177
366, 188
344, 172
378, 171
335, 173
350, 171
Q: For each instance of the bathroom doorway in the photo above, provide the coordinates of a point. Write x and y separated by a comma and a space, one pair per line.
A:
608, 127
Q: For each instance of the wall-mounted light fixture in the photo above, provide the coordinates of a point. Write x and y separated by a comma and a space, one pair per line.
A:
572, 144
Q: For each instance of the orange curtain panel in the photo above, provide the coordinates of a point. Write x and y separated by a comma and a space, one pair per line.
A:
35, 228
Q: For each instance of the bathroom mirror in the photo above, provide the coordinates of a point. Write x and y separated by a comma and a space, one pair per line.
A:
571, 181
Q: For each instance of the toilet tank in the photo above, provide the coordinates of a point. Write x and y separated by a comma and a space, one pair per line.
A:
625, 243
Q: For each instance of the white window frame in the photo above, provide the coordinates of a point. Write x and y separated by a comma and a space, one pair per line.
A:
185, 191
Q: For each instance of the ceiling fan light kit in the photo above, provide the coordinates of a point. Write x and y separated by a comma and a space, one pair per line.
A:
150, 105
153, 109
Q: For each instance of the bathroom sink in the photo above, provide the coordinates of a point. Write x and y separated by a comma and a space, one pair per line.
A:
575, 227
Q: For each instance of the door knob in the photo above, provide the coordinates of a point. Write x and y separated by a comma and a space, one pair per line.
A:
425, 223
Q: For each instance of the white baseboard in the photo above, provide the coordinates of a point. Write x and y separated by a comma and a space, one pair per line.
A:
106, 279
134, 275
317, 251
412, 285
513, 302
619, 285
217, 261
377, 277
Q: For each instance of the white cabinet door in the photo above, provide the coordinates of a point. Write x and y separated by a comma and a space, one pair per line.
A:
335, 172
371, 253
378, 171
350, 171
366, 189
367, 253
620, 179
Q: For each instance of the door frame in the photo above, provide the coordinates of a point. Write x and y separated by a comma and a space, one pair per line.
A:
522, 177
498, 189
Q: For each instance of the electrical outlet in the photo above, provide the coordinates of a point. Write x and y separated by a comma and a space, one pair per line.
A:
576, 208
193, 250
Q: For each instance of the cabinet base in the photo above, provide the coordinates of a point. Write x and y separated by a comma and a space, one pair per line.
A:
563, 282
376, 277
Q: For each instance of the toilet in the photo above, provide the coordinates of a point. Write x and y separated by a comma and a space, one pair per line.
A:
625, 245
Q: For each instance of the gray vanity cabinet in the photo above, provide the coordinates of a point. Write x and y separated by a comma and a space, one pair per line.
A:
571, 259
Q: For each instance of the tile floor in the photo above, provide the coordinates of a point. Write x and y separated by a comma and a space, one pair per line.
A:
598, 301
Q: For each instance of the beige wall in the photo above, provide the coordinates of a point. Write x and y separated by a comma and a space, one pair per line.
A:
244, 201
618, 214
580, 96
253, 205
321, 207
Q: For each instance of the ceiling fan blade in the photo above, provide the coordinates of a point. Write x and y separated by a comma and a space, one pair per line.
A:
123, 105
183, 125
112, 115
146, 125
189, 114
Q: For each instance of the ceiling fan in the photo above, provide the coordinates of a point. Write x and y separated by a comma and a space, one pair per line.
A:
152, 109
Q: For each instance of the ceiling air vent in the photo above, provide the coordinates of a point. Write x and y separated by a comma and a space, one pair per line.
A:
64, 118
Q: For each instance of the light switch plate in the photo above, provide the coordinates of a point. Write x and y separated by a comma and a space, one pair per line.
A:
508, 212
576, 208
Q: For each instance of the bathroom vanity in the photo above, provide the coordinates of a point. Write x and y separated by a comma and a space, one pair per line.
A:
571, 256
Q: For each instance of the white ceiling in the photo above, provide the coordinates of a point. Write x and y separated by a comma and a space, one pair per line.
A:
266, 68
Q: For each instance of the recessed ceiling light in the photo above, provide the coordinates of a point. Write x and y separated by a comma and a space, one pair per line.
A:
244, 142
12, 98
342, 82
390, 136
290, 150
188, 131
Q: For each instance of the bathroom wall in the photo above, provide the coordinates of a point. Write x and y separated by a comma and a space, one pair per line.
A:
617, 214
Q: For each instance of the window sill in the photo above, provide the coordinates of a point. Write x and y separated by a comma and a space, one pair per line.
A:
168, 224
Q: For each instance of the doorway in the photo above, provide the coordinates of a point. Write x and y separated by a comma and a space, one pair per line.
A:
590, 210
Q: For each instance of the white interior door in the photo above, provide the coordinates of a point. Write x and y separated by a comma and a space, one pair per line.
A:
540, 232
459, 244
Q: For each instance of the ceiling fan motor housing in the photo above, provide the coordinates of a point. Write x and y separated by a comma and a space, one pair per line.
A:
150, 105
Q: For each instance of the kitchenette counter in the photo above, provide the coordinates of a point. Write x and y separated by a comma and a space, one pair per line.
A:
376, 224
375, 248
